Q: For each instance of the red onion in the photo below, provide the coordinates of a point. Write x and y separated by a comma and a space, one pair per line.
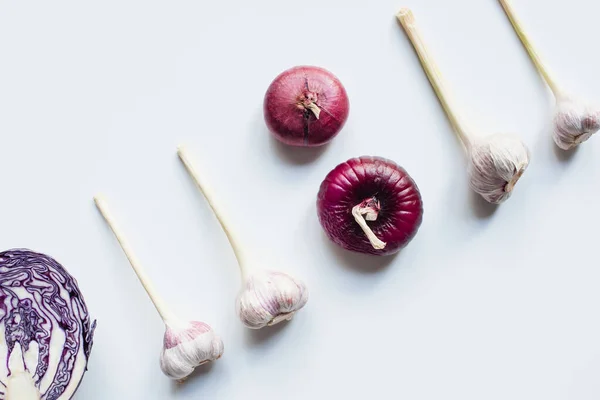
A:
370, 189
306, 106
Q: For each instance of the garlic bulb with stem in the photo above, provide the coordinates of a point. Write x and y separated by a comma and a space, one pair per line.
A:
266, 297
496, 161
575, 120
187, 344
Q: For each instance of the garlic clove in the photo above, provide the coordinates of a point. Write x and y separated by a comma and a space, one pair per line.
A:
574, 123
188, 347
270, 297
496, 163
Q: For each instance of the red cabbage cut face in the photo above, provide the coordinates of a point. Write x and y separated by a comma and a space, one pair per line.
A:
47, 329
371, 181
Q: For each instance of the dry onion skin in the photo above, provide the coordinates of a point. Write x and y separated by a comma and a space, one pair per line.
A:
306, 106
370, 205
496, 161
47, 332
575, 120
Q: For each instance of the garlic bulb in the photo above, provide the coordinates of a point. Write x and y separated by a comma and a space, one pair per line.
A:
575, 121
496, 161
266, 297
496, 164
269, 297
186, 345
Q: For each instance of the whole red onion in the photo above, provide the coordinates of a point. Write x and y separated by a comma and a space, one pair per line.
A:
306, 106
370, 189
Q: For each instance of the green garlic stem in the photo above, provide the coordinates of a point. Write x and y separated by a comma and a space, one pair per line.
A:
407, 20
182, 153
144, 279
537, 61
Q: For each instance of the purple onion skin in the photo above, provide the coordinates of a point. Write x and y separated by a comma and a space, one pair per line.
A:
361, 178
292, 123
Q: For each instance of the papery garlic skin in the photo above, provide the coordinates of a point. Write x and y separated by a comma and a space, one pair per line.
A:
574, 123
187, 348
266, 297
496, 163
269, 297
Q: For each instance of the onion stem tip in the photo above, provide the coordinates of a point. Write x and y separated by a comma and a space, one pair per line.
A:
358, 211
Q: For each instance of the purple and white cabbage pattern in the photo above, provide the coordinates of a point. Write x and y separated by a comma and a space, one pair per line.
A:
47, 329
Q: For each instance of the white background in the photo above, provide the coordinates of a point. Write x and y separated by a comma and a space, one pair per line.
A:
483, 304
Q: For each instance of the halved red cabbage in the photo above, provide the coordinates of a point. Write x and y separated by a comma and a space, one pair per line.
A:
47, 332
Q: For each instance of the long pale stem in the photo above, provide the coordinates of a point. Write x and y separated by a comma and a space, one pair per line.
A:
537, 61
135, 264
407, 20
185, 159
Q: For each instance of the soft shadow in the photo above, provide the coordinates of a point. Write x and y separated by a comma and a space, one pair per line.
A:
357, 262
199, 374
480, 207
294, 154
257, 337
564, 156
